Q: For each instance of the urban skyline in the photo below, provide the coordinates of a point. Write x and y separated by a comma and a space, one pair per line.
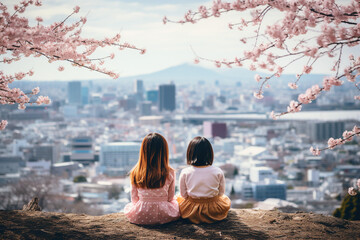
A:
99, 138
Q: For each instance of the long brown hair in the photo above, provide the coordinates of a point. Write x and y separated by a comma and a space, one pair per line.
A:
153, 167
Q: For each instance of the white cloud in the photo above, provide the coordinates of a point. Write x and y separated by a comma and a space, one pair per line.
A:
140, 23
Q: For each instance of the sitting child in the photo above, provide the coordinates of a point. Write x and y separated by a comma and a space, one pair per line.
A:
153, 185
202, 185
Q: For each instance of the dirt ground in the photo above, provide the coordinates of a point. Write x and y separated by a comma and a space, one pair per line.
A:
240, 224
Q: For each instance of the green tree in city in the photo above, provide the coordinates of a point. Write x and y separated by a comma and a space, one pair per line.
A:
114, 192
79, 179
349, 209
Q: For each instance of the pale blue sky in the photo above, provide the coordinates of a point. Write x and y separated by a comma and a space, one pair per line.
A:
140, 23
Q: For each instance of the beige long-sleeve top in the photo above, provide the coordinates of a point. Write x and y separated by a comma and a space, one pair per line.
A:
203, 182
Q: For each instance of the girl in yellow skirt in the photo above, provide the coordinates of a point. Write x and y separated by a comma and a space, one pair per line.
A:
202, 185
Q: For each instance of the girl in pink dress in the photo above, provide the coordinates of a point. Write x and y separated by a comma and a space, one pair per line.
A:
152, 185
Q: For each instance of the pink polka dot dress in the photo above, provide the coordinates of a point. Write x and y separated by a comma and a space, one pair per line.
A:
153, 206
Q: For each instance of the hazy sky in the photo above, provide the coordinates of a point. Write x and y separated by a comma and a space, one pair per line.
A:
140, 23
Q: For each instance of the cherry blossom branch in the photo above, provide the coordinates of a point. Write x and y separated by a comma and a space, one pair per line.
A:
339, 61
76, 10
313, 92
299, 18
332, 143
56, 42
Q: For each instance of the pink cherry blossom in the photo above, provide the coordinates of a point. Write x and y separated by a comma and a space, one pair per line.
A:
35, 91
257, 77
307, 69
165, 20
76, 9
3, 124
293, 85
332, 143
356, 130
352, 191
347, 135
59, 41
315, 152
258, 95
21, 106
308, 31
252, 67
293, 36
294, 107
43, 100
273, 115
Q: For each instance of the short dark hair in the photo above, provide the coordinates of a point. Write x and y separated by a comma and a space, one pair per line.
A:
200, 152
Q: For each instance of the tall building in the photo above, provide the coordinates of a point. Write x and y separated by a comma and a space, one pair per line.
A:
167, 101
84, 95
74, 93
139, 90
119, 157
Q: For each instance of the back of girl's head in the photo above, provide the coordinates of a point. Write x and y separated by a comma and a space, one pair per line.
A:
199, 152
153, 167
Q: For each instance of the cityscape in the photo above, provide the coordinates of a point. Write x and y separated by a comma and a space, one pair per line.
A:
76, 153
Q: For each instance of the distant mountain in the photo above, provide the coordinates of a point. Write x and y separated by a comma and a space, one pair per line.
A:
190, 73
185, 73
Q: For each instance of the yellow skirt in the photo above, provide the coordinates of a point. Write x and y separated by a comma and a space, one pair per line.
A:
207, 210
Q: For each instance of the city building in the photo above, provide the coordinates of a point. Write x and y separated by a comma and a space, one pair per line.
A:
321, 130
28, 115
85, 95
350, 171
139, 90
313, 177
10, 164
129, 103
108, 97
66, 169
18, 145
167, 98
212, 130
261, 174
82, 150
269, 189
152, 96
47, 152
117, 158
41, 167
145, 108
74, 93
151, 120
70, 111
